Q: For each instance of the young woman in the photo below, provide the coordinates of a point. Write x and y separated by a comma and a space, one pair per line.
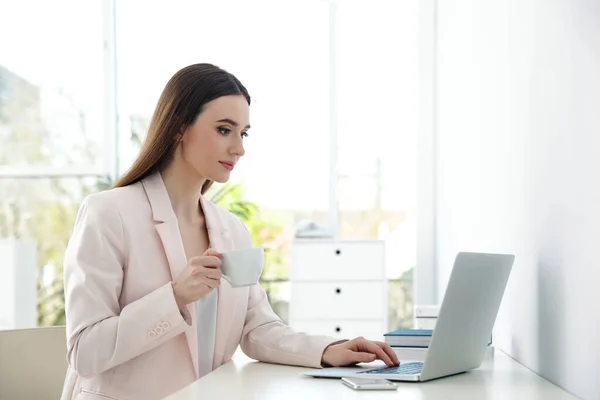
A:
147, 311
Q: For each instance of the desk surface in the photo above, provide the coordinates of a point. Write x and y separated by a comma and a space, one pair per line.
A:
499, 378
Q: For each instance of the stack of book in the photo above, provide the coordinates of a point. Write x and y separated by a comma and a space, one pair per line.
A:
412, 344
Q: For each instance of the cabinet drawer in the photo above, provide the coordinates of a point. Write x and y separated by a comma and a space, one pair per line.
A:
337, 260
342, 329
339, 300
425, 323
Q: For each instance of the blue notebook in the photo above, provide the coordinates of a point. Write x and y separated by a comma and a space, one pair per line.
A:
412, 338
409, 337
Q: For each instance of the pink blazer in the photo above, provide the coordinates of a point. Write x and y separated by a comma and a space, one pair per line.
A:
126, 338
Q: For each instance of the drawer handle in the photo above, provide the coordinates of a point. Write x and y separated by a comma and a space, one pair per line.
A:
338, 290
338, 252
338, 329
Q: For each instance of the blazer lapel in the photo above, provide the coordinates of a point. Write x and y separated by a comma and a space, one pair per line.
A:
217, 232
221, 242
170, 236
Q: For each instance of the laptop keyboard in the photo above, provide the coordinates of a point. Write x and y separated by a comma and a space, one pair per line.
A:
409, 368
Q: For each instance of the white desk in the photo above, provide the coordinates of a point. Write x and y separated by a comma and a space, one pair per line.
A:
501, 378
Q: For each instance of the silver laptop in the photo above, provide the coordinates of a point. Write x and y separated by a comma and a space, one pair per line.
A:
463, 327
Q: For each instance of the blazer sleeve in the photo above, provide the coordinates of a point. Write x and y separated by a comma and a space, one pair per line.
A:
101, 334
266, 338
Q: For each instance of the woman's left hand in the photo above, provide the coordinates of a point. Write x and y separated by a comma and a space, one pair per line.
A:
356, 351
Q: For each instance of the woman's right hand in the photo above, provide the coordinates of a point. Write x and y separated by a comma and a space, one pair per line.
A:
200, 276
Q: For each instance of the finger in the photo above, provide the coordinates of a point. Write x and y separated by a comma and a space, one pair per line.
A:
206, 261
211, 283
389, 351
204, 286
211, 252
200, 269
212, 273
373, 348
358, 357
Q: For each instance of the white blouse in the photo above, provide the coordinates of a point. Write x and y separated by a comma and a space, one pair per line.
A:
206, 325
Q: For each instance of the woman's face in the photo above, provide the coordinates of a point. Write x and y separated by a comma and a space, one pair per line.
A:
213, 144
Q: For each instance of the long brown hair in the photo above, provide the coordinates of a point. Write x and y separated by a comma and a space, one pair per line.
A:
180, 103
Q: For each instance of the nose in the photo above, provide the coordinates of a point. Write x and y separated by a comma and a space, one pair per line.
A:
238, 147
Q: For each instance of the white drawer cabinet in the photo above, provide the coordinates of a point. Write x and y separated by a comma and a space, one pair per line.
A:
334, 261
345, 300
343, 329
338, 288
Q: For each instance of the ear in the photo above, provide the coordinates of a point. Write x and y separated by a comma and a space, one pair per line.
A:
179, 136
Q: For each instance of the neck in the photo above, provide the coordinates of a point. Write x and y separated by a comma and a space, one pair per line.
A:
184, 189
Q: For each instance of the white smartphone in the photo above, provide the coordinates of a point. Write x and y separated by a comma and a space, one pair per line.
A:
369, 383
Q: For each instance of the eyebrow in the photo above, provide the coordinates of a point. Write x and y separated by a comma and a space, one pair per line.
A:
232, 122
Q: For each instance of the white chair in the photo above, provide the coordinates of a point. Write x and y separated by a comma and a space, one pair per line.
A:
33, 363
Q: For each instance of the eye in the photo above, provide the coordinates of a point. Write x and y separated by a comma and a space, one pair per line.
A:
224, 131
245, 134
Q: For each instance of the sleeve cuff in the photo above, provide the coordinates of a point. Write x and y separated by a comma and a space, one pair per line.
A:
185, 313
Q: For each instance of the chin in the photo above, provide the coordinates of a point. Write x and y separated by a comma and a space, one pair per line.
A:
220, 178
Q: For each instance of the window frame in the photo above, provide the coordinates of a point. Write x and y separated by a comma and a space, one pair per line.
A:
426, 287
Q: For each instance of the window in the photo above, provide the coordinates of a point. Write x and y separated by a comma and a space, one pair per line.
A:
52, 145
51, 85
316, 69
377, 98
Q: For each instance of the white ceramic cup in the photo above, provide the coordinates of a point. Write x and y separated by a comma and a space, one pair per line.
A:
242, 267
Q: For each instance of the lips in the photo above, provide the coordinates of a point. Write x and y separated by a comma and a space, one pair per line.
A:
227, 165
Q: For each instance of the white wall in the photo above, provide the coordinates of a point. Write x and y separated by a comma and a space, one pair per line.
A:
518, 170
